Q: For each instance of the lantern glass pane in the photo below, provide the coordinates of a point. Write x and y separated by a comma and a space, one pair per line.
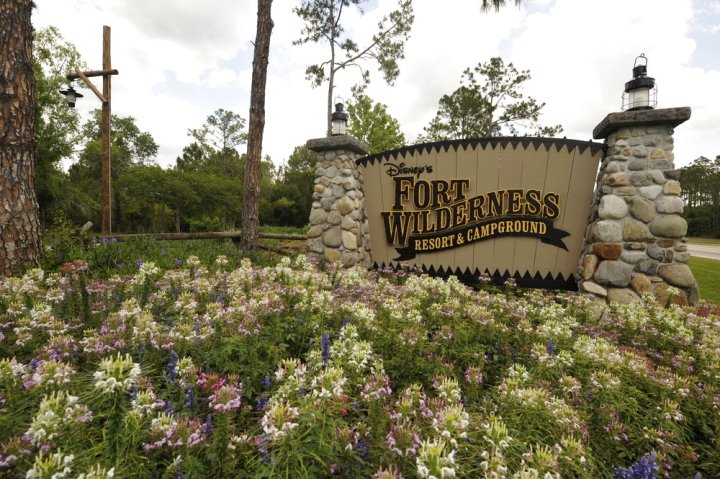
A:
639, 98
339, 127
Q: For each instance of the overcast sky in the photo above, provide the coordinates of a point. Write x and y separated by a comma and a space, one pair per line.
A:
180, 60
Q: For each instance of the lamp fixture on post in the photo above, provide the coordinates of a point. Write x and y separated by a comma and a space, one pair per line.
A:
640, 92
71, 95
339, 120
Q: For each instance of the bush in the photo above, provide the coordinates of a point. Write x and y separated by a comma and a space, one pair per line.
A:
218, 368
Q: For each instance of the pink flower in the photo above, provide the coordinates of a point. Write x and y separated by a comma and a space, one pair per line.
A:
227, 398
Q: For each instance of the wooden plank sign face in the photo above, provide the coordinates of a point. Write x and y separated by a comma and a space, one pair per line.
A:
503, 207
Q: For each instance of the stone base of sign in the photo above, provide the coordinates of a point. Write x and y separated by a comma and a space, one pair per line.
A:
635, 241
338, 225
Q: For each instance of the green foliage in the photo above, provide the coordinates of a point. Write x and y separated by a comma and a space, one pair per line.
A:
128, 144
489, 102
214, 149
108, 257
56, 124
371, 123
60, 243
701, 191
151, 200
323, 25
497, 4
288, 201
213, 367
129, 148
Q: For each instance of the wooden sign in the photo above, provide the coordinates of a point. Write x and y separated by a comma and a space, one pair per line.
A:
503, 207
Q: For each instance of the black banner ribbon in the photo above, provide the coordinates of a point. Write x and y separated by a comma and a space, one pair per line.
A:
541, 228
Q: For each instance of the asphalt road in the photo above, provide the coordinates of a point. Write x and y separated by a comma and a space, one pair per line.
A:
704, 251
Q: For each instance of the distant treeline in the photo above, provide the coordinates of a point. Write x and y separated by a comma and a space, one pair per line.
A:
700, 181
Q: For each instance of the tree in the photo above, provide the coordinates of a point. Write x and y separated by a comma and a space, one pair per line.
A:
155, 200
222, 130
129, 147
288, 200
323, 25
489, 109
497, 4
251, 196
192, 158
701, 192
57, 126
371, 123
19, 223
215, 147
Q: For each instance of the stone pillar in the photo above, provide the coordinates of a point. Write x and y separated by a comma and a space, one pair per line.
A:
635, 241
338, 225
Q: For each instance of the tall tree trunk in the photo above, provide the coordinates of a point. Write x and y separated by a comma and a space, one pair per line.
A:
251, 199
19, 224
331, 75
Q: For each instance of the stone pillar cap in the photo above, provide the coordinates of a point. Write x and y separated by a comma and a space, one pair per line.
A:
338, 142
663, 116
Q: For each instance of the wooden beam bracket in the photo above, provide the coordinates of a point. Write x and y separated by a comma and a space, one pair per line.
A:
91, 73
85, 79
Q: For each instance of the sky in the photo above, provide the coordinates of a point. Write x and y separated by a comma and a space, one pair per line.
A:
180, 60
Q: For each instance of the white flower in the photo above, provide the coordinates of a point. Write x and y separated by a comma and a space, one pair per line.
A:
57, 413
116, 374
54, 466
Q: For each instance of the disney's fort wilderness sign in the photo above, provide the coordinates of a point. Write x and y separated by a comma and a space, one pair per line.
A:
501, 206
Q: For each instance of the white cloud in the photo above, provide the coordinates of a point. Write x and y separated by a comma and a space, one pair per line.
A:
181, 60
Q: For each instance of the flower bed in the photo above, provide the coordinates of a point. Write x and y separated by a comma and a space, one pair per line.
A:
286, 371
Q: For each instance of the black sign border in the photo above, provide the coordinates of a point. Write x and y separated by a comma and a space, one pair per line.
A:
472, 278
503, 141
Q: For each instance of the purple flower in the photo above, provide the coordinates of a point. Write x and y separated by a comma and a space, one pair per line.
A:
133, 393
267, 382
178, 262
550, 345
362, 448
207, 427
644, 468
139, 262
189, 396
169, 407
261, 403
106, 240
163, 251
172, 366
325, 343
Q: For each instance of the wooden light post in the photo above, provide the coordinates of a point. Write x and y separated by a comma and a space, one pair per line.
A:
104, 97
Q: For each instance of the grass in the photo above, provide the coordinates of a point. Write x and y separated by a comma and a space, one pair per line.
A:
707, 274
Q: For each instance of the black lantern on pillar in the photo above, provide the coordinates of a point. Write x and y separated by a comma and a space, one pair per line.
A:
640, 92
71, 95
339, 120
